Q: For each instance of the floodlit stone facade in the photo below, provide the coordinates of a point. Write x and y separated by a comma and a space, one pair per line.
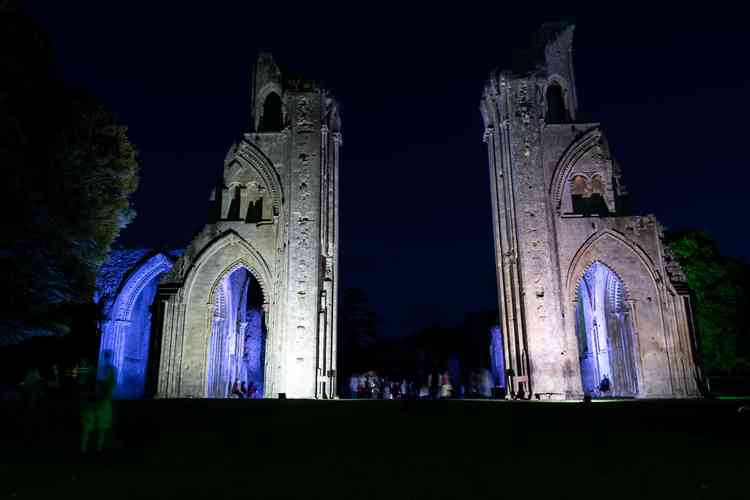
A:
262, 274
586, 292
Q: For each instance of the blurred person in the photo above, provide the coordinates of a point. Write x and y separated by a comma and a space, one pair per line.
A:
96, 406
433, 382
236, 389
604, 385
485, 383
446, 389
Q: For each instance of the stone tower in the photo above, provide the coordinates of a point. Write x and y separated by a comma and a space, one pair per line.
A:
254, 295
587, 293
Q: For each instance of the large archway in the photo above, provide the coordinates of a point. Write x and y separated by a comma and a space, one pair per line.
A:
236, 350
126, 333
605, 335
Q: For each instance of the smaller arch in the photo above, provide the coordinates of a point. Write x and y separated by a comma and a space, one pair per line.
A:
597, 185
587, 196
249, 157
237, 264
271, 119
578, 185
583, 145
557, 111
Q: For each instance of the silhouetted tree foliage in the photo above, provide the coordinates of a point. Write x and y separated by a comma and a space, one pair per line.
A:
721, 287
357, 330
468, 342
68, 171
434, 346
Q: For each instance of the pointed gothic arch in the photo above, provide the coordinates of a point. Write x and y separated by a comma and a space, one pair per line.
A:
247, 157
272, 118
640, 282
230, 329
262, 91
605, 336
556, 108
242, 251
587, 254
213, 264
125, 339
586, 144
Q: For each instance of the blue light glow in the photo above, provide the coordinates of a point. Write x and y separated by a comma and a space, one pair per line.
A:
237, 344
126, 287
497, 356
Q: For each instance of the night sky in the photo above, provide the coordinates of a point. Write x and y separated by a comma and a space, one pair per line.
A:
671, 89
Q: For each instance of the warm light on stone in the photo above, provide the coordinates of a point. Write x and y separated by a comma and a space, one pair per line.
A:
585, 289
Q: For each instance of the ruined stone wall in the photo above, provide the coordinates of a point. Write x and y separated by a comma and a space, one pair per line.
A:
543, 245
649, 298
291, 249
536, 249
304, 247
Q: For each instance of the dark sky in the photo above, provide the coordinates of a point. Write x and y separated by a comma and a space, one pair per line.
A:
671, 89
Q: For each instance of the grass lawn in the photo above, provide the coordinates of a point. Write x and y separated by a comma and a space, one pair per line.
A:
384, 449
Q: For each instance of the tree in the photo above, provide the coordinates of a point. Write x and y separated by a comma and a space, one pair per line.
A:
721, 287
70, 170
358, 330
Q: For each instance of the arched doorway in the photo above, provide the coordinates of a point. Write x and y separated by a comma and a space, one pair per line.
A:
556, 110
126, 332
272, 118
605, 334
236, 348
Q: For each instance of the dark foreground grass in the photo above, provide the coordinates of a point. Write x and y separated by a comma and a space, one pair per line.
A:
385, 449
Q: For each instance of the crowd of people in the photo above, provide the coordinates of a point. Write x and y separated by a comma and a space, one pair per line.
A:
243, 390
54, 383
436, 385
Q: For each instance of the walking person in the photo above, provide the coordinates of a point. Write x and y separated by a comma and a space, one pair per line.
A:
446, 389
433, 381
96, 404
32, 389
236, 392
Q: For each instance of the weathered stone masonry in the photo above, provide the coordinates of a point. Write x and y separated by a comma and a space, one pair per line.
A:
557, 201
274, 215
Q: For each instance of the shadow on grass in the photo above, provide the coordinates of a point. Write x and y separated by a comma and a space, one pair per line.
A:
384, 449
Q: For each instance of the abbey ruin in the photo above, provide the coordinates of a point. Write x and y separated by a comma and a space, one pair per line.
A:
253, 297
585, 290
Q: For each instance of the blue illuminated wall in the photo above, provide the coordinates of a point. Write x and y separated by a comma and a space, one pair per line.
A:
135, 349
497, 356
253, 356
126, 288
604, 332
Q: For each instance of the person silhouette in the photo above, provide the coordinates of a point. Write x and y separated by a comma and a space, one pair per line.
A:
236, 389
605, 384
96, 412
